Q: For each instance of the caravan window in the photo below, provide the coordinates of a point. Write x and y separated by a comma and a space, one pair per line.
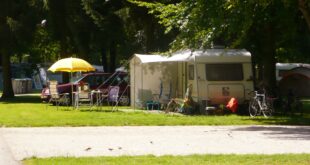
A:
224, 72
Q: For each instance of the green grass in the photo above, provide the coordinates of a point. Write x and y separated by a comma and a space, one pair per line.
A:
287, 159
28, 111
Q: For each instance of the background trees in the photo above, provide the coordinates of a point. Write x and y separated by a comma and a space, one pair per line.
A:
107, 32
274, 30
102, 32
122, 29
18, 20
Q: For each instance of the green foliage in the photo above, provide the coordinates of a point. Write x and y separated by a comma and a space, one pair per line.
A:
163, 11
234, 23
270, 29
44, 48
19, 19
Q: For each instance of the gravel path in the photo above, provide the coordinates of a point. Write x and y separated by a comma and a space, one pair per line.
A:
173, 140
6, 156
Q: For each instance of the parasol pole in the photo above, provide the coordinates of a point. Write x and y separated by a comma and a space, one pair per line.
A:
72, 94
73, 102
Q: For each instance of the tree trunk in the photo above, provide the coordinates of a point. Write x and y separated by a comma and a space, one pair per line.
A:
7, 82
268, 50
80, 41
260, 69
302, 5
104, 60
149, 30
112, 56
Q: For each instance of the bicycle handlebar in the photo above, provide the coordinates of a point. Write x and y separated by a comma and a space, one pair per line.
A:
257, 94
251, 92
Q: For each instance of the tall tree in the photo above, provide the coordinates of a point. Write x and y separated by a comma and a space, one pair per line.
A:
124, 28
148, 33
304, 7
110, 30
264, 27
18, 20
68, 24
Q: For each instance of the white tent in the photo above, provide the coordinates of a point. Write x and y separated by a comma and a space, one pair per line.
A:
173, 73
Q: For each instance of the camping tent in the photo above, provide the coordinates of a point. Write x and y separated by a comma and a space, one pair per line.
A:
297, 81
153, 75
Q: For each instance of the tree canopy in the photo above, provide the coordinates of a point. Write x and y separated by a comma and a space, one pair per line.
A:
107, 32
17, 25
273, 30
102, 32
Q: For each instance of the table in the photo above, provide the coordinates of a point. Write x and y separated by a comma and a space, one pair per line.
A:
96, 97
81, 97
75, 99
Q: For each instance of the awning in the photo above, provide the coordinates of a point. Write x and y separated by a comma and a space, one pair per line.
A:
188, 55
184, 56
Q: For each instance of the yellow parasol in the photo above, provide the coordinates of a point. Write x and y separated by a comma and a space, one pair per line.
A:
71, 65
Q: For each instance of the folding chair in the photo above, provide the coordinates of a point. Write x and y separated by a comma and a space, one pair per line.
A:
164, 99
113, 95
83, 96
57, 98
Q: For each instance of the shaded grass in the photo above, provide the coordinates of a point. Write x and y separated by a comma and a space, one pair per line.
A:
28, 111
287, 159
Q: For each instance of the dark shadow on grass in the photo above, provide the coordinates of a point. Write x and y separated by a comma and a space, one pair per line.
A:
280, 132
283, 120
22, 99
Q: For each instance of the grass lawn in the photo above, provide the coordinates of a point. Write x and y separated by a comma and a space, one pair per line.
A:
287, 159
28, 111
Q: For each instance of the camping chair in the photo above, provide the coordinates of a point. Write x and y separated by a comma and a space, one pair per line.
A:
57, 98
153, 104
83, 96
183, 105
161, 100
113, 95
164, 99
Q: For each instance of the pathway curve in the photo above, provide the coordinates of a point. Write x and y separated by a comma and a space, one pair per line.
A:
156, 140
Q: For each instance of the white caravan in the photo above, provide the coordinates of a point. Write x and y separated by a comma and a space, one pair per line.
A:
216, 75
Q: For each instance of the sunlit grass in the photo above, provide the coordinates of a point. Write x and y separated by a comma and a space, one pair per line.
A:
28, 111
287, 159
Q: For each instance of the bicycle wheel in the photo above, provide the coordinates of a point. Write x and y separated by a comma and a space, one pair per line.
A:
253, 107
268, 109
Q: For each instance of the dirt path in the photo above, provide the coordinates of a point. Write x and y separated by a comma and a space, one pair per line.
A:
156, 140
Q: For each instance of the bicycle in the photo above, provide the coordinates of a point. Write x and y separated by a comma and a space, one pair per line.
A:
260, 104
